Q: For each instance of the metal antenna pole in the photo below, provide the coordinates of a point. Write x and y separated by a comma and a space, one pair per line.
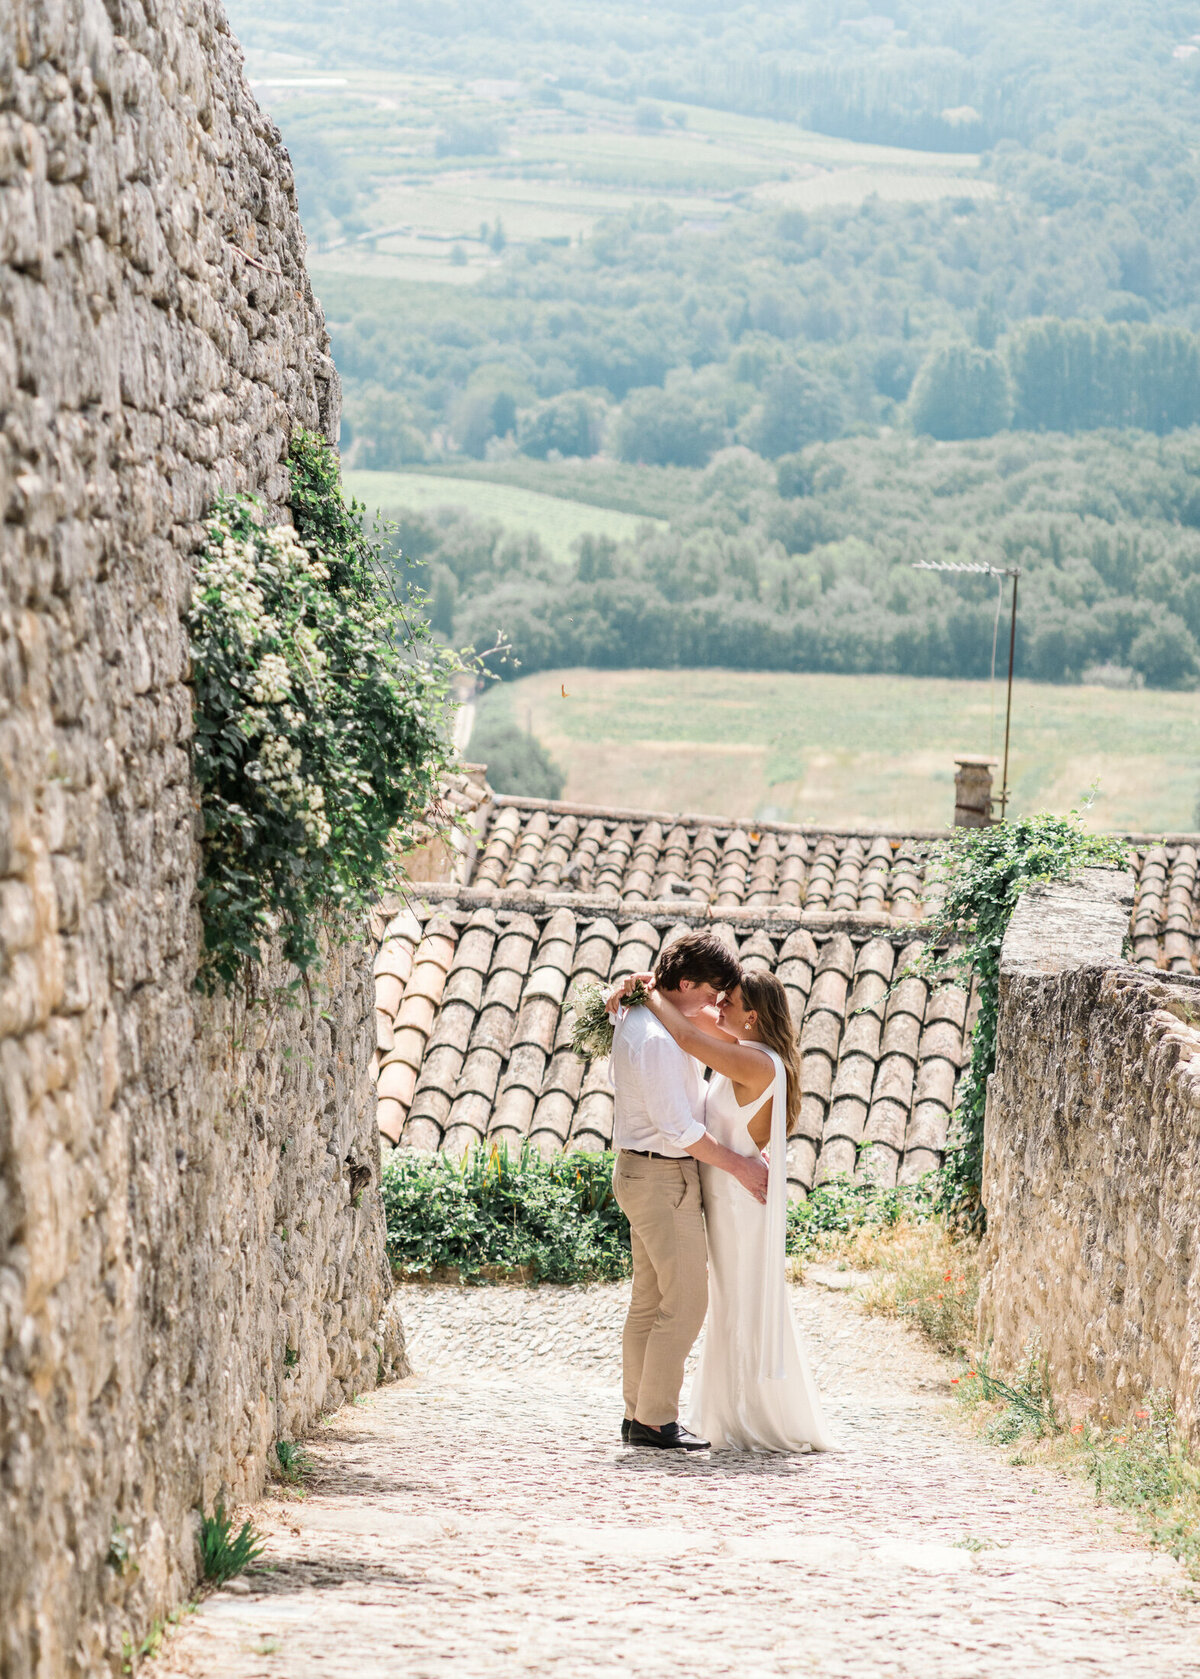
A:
1014, 572
992, 679
1012, 648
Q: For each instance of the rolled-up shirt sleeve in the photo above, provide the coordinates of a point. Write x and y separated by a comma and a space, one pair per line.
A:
658, 1064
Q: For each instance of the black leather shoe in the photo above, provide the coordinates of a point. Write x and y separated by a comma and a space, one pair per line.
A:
625, 1427
670, 1437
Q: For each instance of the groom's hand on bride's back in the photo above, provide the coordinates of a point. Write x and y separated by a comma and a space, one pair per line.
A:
754, 1176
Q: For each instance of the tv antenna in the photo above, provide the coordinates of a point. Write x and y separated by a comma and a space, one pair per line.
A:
977, 568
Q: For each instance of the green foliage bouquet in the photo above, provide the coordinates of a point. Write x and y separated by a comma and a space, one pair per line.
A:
592, 1031
318, 718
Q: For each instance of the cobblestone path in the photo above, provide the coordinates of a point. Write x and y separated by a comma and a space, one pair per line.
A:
483, 1520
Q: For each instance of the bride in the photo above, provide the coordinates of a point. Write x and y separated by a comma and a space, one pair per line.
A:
753, 1388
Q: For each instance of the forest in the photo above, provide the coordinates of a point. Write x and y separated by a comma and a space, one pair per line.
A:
1000, 364
815, 562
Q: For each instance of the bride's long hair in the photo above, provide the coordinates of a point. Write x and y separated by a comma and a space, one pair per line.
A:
766, 996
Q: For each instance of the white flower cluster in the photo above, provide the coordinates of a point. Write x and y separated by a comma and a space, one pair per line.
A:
227, 572
235, 578
278, 767
282, 544
272, 681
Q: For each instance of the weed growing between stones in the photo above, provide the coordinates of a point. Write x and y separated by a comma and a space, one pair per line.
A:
320, 700
120, 1551
1022, 1408
1142, 1465
985, 870
224, 1553
294, 1462
132, 1655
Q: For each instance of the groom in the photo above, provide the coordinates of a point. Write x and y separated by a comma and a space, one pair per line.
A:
658, 1129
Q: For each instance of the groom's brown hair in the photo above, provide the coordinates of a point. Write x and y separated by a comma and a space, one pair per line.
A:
701, 957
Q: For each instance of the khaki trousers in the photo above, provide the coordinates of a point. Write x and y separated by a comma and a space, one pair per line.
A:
661, 1200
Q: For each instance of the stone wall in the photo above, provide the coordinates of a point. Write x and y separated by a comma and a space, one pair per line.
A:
191, 1243
1092, 1159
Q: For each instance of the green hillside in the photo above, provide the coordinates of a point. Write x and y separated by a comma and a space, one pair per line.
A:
862, 289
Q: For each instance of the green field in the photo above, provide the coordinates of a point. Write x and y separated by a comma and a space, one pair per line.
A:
653, 493
841, 750
560, 171
557, 522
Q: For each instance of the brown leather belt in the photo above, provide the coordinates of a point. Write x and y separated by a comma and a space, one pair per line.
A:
649, 1154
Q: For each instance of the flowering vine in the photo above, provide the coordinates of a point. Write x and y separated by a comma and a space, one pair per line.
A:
319, 707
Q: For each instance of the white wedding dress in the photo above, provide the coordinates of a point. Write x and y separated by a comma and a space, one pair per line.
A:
753, 1389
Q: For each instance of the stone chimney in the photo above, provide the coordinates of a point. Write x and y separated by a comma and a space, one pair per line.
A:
973, 792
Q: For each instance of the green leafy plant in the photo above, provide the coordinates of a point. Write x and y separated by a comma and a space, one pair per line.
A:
224, 1553
1027, 1403
985, 871
145, 1649
843, 1206
294, 1462
552, 1220
319, 702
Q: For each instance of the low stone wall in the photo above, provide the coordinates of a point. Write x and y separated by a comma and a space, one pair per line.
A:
1092, 1159
191, 1234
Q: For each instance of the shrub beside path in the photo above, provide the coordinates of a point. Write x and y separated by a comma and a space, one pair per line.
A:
482, 1520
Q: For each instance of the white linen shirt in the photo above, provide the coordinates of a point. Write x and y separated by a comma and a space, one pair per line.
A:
659, 1093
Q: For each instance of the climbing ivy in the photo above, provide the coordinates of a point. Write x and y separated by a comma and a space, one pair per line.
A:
985, 870
319, 706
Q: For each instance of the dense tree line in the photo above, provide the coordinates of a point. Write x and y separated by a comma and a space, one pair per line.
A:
1061, 376
811, 565
925, 73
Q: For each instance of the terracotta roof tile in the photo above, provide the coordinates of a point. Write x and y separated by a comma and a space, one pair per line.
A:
757, 953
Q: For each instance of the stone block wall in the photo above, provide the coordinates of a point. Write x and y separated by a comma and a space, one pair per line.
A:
191, 1241
1092, 1159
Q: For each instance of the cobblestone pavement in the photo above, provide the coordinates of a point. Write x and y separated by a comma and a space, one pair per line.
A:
482, 1520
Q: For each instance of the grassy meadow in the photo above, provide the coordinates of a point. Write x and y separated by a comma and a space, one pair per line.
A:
843, 750
558, 522
651, 492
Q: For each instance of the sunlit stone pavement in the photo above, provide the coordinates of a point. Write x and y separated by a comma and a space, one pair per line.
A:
483, 1519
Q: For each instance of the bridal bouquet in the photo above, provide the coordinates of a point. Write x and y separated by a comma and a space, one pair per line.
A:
592, 1032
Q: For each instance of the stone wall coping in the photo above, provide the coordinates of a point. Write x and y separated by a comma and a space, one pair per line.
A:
1066, 924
